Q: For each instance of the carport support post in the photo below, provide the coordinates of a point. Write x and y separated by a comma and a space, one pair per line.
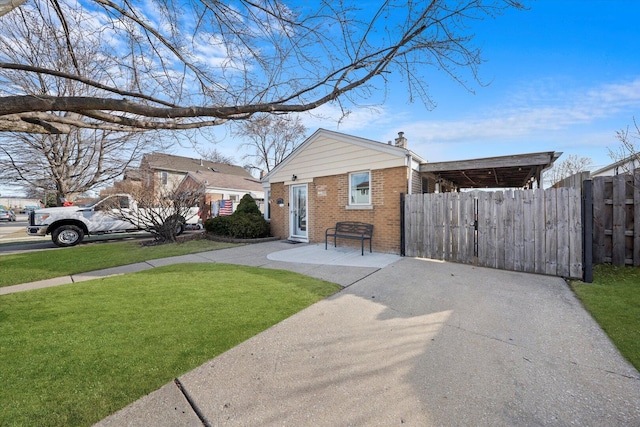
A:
587, 231
402, 224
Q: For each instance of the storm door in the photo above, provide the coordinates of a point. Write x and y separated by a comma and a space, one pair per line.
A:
298, 212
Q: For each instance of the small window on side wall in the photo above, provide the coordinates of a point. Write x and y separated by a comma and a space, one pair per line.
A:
164, 178
360, 188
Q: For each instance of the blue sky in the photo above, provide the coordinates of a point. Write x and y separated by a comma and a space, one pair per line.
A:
563, 75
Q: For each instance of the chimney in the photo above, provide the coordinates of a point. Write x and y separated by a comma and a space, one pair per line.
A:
401, 141
201, 162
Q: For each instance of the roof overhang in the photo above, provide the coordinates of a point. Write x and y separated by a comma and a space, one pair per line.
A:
515, 171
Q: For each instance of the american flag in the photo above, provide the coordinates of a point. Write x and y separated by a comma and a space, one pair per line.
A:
226, 207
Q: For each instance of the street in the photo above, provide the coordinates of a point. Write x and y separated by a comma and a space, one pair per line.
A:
9, 229
14, 238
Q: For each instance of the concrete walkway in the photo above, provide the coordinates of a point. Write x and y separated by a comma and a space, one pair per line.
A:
416, 342
412, 342
302, 258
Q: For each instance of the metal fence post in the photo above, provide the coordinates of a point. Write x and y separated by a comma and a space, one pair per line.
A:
587, 231
402, 251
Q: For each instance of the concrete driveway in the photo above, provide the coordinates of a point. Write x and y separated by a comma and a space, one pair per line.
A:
419, 343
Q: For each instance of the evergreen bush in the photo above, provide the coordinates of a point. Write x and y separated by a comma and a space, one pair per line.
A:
246, 222
247, 206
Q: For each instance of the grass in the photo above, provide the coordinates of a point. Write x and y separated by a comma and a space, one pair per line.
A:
40, 265
73, 354
613, 299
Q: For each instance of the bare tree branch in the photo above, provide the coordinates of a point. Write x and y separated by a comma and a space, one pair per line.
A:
270, 139
186, 65
569, 166
7, 6
627, 153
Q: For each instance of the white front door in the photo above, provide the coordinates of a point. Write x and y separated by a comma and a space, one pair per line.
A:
298, 212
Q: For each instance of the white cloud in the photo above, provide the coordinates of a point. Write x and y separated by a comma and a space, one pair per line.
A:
370, 119
543, 116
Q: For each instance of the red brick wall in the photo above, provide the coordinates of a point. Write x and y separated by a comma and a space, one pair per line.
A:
279, 215
328, 201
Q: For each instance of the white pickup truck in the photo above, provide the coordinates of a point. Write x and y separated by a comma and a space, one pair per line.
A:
68, 225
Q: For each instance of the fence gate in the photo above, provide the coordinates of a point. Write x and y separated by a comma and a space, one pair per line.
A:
616, 219
536, 231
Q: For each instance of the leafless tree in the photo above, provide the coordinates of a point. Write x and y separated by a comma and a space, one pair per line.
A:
69, 164
571, 165
627, 152
82, 158
270, 139
214, 155
183, 65
160, 210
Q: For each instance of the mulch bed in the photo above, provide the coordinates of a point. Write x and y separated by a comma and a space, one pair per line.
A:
204, 235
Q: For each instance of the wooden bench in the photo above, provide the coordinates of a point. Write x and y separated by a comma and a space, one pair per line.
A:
350, 230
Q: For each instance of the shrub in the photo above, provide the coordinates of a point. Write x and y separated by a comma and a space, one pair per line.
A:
245, 223
248, 226
247, 206
218, 225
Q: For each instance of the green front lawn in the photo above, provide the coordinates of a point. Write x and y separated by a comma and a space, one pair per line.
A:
73, 354
39, 265
613, 299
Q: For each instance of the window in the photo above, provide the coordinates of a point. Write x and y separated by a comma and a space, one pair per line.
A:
425, 185
123, 202
359, 188
164, 177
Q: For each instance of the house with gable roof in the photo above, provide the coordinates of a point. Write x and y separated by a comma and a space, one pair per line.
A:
216, 186
333, 177
628, 165
216, 181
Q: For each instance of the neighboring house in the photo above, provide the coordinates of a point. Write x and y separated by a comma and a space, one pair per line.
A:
217, 181
169, 170
626, 165
218, 186
335, 177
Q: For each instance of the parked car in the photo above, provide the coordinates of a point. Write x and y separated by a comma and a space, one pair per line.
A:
7, 215
29, 208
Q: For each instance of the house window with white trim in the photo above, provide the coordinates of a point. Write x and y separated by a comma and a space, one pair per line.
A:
360, 188
164, 178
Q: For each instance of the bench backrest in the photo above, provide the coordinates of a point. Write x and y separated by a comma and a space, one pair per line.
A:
354, 228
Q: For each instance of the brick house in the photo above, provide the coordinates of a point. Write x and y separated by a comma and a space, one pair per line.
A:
335, 177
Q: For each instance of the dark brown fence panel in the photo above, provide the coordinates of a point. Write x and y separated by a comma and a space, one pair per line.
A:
636, 220
616, 220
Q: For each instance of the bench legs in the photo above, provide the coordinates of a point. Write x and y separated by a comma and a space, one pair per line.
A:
326, 239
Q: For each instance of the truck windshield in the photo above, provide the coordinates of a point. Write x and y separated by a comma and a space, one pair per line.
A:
121, 202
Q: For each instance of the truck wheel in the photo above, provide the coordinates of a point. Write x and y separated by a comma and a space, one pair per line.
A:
177, 222
67, 235
179, 228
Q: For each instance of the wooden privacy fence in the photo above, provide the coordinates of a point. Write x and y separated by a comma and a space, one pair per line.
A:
536, 231
616, 220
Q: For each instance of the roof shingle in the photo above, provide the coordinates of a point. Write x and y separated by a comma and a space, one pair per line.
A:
171, 163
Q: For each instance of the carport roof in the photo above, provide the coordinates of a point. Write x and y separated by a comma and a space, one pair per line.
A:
515, 171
